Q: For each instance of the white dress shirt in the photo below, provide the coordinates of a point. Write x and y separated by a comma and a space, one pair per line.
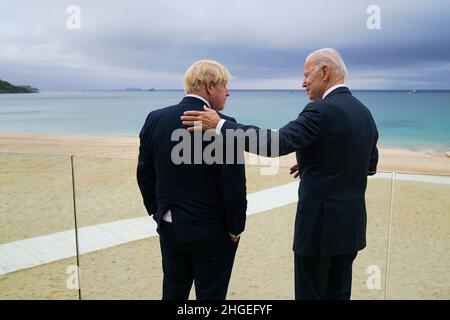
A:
339, 85
199, 97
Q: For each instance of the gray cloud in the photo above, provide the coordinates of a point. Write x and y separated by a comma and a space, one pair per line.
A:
150, 44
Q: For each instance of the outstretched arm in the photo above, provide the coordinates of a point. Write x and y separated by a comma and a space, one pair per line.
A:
296, 135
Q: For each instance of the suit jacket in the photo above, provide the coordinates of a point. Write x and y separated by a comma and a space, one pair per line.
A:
335, 143
205, 199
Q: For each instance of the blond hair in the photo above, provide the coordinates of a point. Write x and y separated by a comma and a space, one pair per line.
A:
204, 72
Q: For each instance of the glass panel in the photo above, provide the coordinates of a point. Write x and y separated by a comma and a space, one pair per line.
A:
263, 267
263, 173
37, 238
369, 267
420, 254
120, 251
264, 262
120, 256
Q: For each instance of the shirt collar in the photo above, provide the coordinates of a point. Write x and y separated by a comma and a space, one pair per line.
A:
199, 97
339, 85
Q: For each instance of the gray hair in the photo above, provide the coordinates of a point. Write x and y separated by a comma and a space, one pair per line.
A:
330, 57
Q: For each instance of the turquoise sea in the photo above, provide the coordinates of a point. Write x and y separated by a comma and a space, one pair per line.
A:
417, 121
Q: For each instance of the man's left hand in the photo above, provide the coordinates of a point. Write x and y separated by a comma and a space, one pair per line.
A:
235, 239
200, 120
294, 169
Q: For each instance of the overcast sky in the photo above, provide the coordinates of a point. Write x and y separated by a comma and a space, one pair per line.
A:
149, 44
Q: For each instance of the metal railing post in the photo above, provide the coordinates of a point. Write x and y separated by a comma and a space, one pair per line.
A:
76, 228
388, 253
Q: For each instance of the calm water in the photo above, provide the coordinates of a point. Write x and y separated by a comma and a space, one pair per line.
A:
419, 121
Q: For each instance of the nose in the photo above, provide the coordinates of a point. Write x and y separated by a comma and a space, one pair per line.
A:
304, 84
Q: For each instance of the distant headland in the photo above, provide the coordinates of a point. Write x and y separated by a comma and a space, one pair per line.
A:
138, 89
6, 87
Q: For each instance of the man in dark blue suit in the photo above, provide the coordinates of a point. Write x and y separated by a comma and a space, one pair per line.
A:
335, 140
199, 206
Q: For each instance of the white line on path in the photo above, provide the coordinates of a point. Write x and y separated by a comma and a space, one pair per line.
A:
40, 250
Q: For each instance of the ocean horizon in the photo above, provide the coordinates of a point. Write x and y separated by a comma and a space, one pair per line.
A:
417, 119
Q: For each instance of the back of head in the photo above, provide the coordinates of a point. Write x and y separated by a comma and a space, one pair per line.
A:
204, 72
332, 58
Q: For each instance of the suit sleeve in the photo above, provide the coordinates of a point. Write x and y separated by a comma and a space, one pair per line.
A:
146, 171
233, 185
296, 135
373, 156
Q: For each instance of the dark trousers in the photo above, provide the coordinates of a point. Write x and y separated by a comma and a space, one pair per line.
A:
207, 263
323, 278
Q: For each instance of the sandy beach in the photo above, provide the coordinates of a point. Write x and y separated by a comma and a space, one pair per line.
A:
399, 160
36, 199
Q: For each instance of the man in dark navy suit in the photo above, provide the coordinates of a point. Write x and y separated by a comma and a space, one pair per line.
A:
335, 140
199, 206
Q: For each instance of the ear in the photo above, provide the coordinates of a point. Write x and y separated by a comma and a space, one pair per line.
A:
325, 72
208, 88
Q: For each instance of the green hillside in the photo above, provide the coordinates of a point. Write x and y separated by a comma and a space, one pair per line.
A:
6, 87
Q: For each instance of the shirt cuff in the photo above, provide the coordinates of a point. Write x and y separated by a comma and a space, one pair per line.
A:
219, 126
235, 235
